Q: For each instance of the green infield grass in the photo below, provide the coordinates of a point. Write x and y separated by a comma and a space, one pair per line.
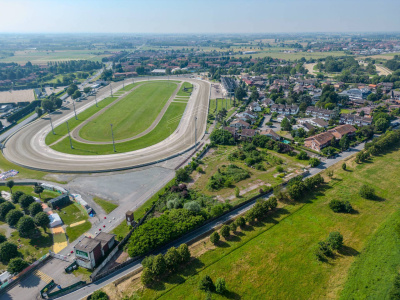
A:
131, 115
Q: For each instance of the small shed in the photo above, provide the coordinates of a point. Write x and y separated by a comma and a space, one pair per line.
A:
55, 220
59, 201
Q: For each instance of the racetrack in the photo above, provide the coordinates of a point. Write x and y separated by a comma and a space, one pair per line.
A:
27, 147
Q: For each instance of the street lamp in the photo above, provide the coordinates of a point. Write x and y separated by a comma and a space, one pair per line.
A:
73, 103
111, 90
95, 99
195, 130
112, 135
51, 123
69, 135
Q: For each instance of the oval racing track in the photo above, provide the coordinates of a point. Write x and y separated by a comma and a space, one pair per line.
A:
27, 147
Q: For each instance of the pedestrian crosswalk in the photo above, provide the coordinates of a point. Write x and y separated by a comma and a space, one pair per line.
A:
46, 278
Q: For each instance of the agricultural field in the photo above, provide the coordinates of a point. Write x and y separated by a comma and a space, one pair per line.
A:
42, 57
275, 258
16, 96
132, 115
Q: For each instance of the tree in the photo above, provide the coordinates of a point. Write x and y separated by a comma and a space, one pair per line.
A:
76, 95
8, 251
147, 277
38, 189
2, 238
314, 162
366, 191
42, 220
344, 142
335, 240
340, 206
38, 111
5, 208
172, 258
15, 197
16, 265
206, 284
35, 208
147, 262
382, 124
47, 105
10, 185
25, 200
225, 231
240, 93
159, 265
302, 155
71, 89
214, 237
237, 192
13, 217
233, 226
329, 173
182, 174
98, 295
25, 226
184, 253
87, 89
344, 166
220, 285
241, 222
285, 125
222, 137
57, 102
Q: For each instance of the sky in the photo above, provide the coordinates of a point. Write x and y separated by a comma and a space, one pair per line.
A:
198, 16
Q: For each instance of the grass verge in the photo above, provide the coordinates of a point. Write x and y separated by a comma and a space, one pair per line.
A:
74, 232
107, 206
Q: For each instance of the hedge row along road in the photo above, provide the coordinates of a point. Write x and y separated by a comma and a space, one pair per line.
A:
28, 148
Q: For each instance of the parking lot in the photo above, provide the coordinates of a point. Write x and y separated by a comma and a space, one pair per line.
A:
31, 285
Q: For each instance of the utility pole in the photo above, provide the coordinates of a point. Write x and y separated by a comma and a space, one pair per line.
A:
95, 99
195, 130
69, 135
111, 90
112, 135
51, 123
73, 103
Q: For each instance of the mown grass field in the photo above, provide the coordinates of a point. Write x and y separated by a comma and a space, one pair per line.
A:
106, 205
74, 232
6, 165
167, 125
29, 190
217, 104
132, 115
274, 259
189, 89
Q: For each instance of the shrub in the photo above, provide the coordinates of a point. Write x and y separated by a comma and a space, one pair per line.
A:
220, 285
214, 238
335, 240
99, 295
233, 226
344, 166
225, 231
314, 162
192, 206
324, 249
367, 192
206, 284
302, 155
241, 222
237, 192
279, 169
340, 206
200, 169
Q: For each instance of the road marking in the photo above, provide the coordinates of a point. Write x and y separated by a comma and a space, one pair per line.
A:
46, 278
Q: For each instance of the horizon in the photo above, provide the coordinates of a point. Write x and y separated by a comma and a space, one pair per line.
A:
199, 17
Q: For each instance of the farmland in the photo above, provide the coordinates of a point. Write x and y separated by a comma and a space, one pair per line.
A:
132, 115
275, 257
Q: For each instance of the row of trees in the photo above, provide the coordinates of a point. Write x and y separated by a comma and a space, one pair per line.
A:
296, 187
157, 266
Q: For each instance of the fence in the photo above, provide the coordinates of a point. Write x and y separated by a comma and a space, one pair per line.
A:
67, 289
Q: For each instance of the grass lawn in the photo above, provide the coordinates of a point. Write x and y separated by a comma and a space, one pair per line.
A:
74, 232
167, 125
29, 190
106, 205
83, 273
71, 214
188, 92
6, 165
222, 103
132, 115
373, 272
274, 259
346, 111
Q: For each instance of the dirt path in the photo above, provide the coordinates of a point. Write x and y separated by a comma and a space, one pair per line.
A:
383, 70
310, 68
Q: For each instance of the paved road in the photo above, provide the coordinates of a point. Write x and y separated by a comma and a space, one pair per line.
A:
27, 147
17, 127
87, 290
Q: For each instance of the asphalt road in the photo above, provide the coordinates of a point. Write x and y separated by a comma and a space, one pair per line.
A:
17, 127
27, 147
89, 289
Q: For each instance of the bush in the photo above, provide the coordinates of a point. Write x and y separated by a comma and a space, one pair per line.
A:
206, 284
335, 240
340, 206
302, 155
367, 192
324, 249
233, 226
182, 174
279, 169
225, 231
241, 222
220, 286
314, 162
214, 238
344, 166
237, 192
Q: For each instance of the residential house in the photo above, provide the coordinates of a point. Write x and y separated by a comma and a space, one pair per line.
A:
319, 123
232, 130
267, 102
356, 94
321, 113
272, 134
240, 124
247, 116
319, 141
247, 134
254, 106
355, 120
285, 109
341, 130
